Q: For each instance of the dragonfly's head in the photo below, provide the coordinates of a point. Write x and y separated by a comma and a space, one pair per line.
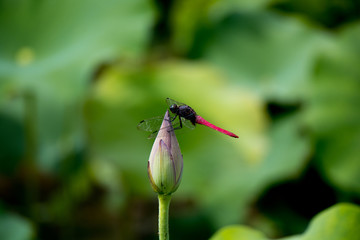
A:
174, 108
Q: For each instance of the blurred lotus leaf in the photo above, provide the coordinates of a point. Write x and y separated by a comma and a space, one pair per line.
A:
191, 16
14, 227
48, 52
272, 54
336, 223
333, 111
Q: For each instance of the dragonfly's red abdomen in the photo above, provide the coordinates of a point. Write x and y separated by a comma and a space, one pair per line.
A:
202, 121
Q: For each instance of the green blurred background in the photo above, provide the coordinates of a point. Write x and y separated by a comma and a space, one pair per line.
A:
76, 77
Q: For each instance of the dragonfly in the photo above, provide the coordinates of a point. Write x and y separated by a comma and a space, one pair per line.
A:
182, 115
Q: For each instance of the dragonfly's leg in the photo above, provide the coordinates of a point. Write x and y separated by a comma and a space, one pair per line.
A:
172, 119
180, 122
179, 127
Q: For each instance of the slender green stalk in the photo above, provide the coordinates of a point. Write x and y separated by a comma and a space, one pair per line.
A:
164, 203
31, 187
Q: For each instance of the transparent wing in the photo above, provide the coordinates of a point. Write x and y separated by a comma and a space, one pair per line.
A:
153, 125
150, 124
170, 102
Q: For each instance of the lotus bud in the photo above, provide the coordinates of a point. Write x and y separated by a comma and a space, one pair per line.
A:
165, 162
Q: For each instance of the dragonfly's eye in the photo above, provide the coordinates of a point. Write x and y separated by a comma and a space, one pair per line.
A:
173, 108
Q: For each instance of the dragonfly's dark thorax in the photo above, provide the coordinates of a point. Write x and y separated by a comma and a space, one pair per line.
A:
187, 113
